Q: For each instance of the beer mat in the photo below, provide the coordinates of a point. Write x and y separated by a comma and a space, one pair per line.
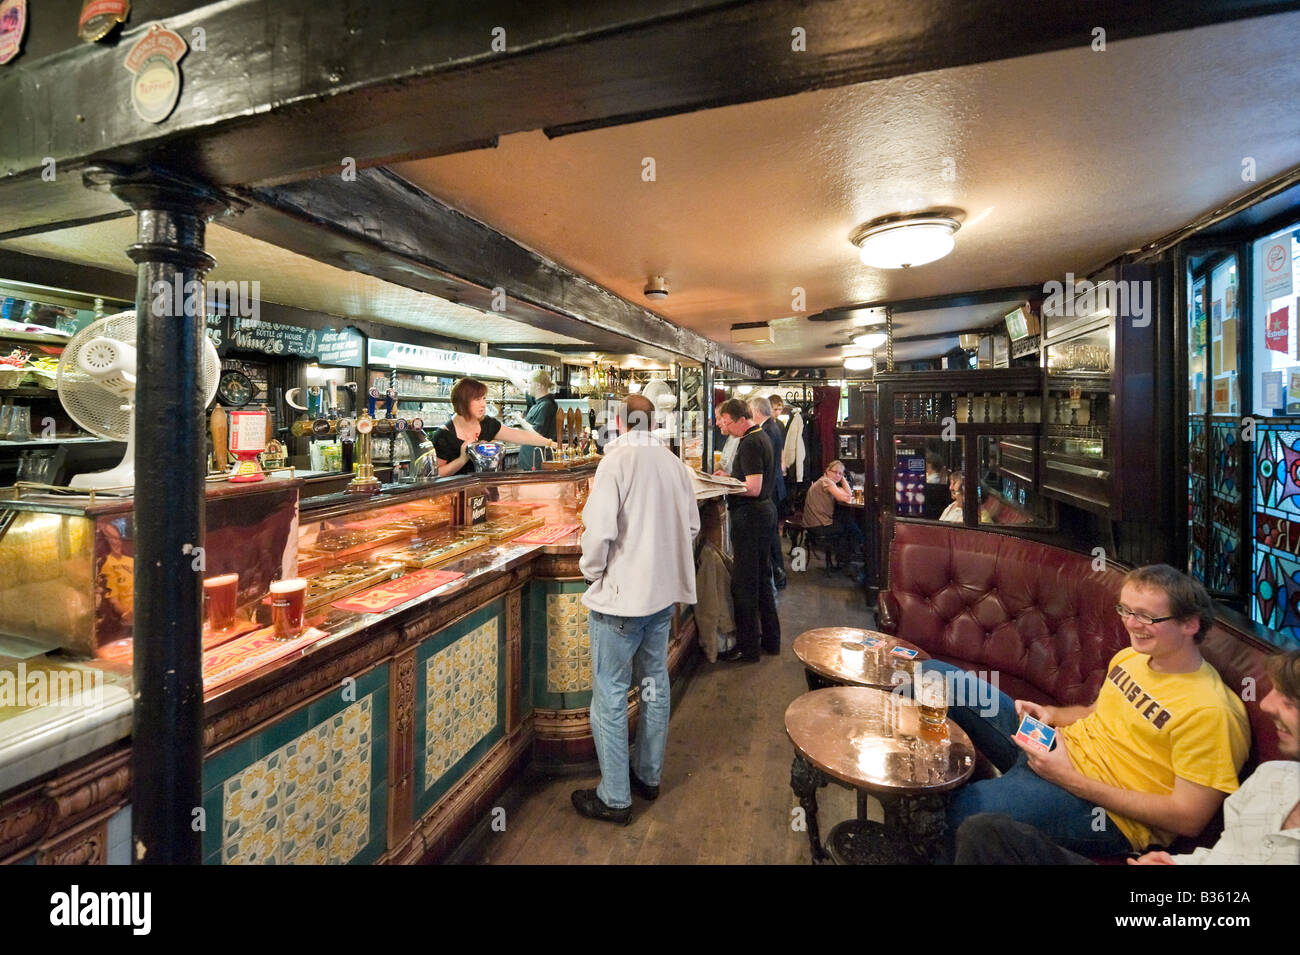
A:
394, 592
547, 534
251, 652
215, 638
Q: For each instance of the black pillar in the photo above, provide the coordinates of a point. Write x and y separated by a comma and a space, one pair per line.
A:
170, 443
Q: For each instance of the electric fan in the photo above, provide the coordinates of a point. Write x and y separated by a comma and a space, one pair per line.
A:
97, 379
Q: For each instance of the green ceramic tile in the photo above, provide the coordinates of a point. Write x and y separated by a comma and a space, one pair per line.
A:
217, 769
282, 731
212, 821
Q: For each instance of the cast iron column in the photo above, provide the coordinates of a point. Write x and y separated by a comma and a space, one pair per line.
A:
170, 467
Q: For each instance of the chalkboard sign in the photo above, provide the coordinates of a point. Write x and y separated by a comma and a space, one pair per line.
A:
329, 346
477, 508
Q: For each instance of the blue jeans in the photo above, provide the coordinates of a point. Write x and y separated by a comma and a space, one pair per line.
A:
624, 649
1020, 792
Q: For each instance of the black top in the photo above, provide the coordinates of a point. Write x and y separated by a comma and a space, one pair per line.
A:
446, 445
772, 428
541, 415
754, 456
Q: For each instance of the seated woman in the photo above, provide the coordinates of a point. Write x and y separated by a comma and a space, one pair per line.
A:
471, 423
821, 514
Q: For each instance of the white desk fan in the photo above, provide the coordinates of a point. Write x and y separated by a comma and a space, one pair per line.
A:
96, 384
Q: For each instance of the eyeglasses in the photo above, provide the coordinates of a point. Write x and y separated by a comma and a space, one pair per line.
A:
1142, 618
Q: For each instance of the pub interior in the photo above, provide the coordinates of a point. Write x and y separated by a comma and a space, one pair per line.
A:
1028, 274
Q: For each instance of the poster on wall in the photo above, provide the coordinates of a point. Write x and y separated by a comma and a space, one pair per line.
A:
1222, 399
1275, 267
1271, 390
1230, 303
1277, 329
1216, 316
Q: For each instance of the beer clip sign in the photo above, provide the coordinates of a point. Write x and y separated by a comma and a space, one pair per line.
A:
13, 23
154, 62
99, 17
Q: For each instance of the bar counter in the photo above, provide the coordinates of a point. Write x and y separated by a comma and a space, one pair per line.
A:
374, 737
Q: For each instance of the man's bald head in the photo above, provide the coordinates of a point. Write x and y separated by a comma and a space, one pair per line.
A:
640, 413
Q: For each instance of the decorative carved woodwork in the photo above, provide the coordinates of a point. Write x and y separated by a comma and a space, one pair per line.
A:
401, 746
85, 795
514, 658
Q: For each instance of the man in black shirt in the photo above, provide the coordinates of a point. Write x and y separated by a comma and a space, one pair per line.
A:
762, 411
753, 522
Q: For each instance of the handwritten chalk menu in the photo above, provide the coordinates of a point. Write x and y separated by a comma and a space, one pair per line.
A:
329, 346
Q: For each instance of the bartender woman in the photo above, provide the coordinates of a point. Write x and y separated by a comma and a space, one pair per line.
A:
471, 423
539, 418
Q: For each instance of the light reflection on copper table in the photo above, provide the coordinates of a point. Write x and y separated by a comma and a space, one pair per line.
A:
874, 742
821, 653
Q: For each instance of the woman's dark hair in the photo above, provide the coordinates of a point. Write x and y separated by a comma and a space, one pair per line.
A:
465, 391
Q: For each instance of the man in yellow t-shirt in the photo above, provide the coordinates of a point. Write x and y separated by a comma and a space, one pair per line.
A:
1152, 758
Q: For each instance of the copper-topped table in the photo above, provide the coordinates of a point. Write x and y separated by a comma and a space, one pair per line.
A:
875, 742
820, 651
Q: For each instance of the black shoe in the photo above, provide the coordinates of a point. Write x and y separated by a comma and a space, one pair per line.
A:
589, 804
780, 581
737, 655
644, 790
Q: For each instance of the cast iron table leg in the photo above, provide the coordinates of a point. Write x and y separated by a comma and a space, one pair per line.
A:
805, 780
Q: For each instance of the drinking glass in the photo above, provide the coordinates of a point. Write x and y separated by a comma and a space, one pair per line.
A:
287, 600
20, 423
932, 698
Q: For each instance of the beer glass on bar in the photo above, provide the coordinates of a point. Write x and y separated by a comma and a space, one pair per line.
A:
222, 594
287, 600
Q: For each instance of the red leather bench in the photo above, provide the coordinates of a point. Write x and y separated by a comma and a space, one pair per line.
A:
1041, 617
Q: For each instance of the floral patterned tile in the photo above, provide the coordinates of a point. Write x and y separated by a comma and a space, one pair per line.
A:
460, 697
250, 796
568, 644
255, 845
306, 803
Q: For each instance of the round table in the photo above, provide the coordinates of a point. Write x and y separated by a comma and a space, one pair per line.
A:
874, 742
819, 651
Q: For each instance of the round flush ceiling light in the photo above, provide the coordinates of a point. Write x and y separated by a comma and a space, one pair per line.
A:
898, 242
870, 339
857, 362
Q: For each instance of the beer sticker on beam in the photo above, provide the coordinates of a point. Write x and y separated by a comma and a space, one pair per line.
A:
157, 83
13, 23
99, 17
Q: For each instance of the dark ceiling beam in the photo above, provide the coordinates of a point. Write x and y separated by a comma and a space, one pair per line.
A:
383, 226
286, 89
989, 296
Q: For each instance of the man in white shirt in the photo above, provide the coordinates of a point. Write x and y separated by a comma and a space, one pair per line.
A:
1261, 820
640, 524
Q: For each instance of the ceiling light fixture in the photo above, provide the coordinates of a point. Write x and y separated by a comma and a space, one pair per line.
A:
900, 242
857, 362
657, 288
870, 339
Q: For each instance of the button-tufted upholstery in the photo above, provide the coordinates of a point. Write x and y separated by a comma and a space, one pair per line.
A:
1039, 616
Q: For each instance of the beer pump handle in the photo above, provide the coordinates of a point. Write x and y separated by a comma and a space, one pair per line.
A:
371, 398
220, 436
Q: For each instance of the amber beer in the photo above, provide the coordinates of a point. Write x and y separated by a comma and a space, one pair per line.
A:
287, 600
932, 697
222, 594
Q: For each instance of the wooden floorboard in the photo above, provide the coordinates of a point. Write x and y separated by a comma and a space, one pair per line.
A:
725, 795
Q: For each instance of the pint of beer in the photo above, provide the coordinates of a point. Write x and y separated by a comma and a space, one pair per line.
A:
222, 595
287, 599
932, 697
